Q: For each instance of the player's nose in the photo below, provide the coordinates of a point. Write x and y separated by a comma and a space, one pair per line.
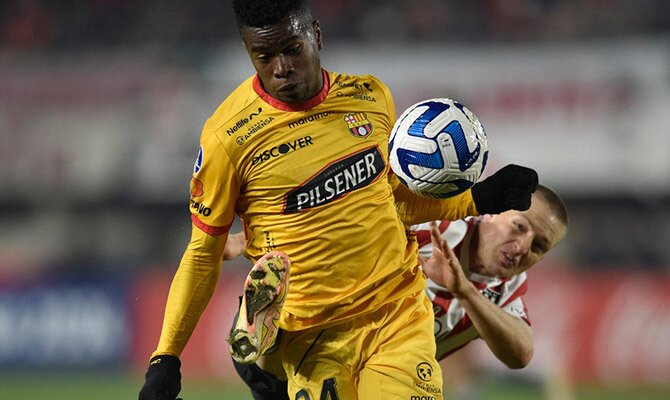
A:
522, 245
282, 66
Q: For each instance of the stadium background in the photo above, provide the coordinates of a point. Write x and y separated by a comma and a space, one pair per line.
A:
102, 102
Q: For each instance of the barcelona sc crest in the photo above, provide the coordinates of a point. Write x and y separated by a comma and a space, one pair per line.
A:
358, 124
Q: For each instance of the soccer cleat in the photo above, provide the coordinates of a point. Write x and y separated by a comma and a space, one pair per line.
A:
256, 327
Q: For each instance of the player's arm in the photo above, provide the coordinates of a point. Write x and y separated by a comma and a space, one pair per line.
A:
214, 190
214, 187
508, 188
192, 287
414, 209
509, 338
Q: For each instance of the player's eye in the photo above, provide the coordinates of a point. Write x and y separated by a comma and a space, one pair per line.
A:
293, 49
538, 248
264, 58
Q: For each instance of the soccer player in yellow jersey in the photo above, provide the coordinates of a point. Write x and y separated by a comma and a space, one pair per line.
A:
300, 154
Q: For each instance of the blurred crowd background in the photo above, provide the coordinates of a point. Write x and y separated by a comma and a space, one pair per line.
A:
78, 25
102, 102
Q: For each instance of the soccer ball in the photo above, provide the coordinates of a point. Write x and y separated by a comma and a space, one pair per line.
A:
438, 148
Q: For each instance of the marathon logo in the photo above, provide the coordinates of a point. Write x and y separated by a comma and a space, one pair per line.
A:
308, 119
239, 124
282, 149
336, 180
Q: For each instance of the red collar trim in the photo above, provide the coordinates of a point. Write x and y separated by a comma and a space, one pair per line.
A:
305, 105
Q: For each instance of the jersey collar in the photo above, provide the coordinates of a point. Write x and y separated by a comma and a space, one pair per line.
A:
305, 105
487, 281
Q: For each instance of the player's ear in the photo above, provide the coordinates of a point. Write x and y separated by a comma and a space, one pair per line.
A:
317, 34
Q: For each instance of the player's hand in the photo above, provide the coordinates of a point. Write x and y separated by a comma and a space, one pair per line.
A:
509, 188
235, 245
443, 266
162, 380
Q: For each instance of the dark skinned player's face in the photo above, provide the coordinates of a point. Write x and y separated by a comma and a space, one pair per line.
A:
286, 58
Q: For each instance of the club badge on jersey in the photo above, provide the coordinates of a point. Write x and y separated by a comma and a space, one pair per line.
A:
358, 124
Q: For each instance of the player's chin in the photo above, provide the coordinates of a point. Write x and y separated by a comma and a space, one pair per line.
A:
503, 265
290, 99
510, 272
506, 274
505, 271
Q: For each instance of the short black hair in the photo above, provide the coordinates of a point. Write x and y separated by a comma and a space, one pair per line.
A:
555, 203
260, 13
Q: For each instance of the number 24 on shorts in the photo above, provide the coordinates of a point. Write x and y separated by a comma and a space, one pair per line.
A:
328, 392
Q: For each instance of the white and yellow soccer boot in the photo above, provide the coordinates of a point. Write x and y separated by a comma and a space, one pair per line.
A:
256, 327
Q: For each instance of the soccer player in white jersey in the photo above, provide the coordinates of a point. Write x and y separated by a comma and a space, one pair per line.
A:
476, 279
476, 269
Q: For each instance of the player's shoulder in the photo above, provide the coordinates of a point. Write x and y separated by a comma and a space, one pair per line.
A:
235, 111
365, 85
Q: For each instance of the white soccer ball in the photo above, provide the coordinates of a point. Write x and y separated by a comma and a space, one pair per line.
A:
438, 148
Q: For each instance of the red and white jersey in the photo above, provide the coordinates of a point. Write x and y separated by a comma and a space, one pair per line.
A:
453, 328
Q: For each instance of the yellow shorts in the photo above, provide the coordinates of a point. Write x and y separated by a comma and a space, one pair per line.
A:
386, 354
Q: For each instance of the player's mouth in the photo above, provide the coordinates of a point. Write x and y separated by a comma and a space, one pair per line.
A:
288, 87
508, 261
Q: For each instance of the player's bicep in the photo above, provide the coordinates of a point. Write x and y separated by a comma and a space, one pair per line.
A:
215, 188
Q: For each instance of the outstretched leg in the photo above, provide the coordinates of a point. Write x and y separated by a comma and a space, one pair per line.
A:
256, 327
